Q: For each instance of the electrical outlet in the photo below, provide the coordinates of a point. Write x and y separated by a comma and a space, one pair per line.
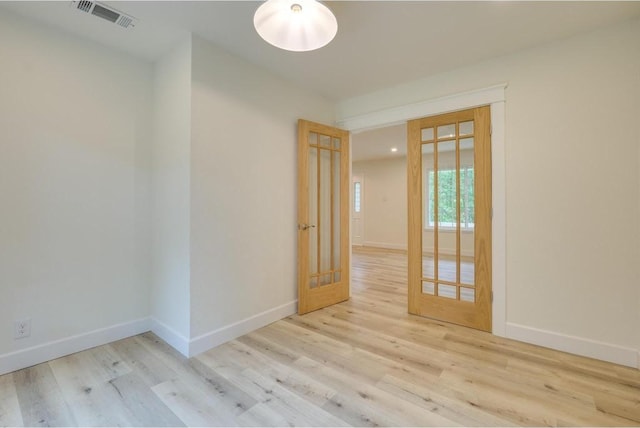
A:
22, 328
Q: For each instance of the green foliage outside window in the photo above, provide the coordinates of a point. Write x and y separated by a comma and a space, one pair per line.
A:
447, 216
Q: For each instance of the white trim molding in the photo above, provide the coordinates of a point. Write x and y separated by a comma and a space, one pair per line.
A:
31, 356
28, 357
169, 335
447, 251
495, 97
401, 114
386, 245
499, 218
403, 247
204, 342
575, 345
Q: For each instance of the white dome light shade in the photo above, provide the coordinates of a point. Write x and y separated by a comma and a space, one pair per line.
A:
295, 25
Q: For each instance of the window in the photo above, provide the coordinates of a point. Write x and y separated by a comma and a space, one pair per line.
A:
356, 197
447, 217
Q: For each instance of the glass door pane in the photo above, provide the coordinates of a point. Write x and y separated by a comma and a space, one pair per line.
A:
325, 214
324, 210
313, 211
428, 241
467, 212
448, 264
335, 221
447, 213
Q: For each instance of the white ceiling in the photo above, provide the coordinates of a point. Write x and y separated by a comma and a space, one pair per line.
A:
379, 43
377, 144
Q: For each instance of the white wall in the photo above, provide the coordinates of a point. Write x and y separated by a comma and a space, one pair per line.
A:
243, 188
384, 206
76, 125
384, 201
74, 183
170, 296
572, 181
131, 189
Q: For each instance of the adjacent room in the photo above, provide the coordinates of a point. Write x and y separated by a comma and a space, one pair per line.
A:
431, 217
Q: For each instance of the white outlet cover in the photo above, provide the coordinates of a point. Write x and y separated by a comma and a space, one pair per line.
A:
22, 328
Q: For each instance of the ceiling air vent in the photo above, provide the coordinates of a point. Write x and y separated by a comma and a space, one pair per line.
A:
105, 12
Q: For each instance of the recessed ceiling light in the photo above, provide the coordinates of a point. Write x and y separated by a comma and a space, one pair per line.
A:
394, 149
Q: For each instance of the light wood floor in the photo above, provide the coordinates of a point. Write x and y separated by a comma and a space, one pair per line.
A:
364, 362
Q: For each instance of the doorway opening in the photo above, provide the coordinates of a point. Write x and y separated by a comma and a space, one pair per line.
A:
443, 223
494, 98
379, 218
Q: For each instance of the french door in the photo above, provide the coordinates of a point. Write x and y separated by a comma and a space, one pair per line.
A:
449, 194
323, 216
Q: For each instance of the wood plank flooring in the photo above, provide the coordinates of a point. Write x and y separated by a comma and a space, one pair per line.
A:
364, 362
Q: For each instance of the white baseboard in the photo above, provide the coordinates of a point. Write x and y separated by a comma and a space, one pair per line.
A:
169, 335
28, 357
575, 345
224, 334
384, 245
59, 348
387, 245
448, 252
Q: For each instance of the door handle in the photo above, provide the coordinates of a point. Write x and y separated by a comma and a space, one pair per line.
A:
305, 226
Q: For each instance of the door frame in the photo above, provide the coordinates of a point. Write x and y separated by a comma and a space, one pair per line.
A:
495, 97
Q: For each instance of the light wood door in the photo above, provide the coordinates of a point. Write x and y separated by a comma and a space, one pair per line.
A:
449, 194
323, 216
357, 214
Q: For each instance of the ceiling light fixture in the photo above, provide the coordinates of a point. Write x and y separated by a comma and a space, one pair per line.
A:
295, 25
394, 149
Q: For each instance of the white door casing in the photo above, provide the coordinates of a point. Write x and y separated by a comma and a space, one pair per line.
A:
495, 97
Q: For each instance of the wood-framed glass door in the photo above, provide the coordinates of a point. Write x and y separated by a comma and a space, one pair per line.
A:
323, 216
449, 195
